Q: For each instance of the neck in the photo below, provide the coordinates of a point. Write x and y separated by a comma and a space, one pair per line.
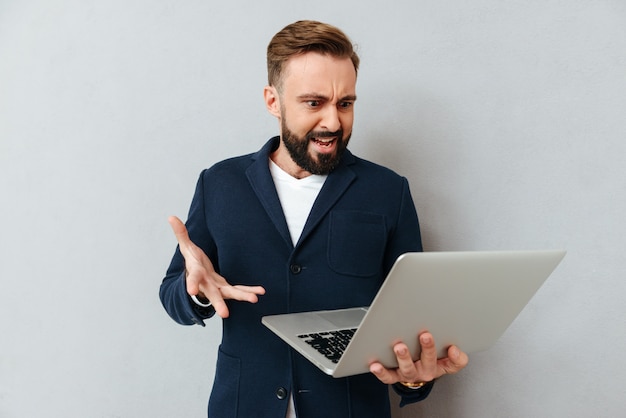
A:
282, 159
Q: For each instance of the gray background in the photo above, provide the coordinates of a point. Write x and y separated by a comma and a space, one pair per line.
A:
507, 117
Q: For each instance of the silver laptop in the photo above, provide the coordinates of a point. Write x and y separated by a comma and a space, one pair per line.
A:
463, 298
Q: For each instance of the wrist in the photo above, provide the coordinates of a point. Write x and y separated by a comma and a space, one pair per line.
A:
413, 385
201, 300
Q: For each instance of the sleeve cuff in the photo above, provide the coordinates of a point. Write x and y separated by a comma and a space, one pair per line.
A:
198, 313
203, 310
199, 303
410, 396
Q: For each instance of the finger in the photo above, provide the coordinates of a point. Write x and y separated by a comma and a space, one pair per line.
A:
214, 295
455, 361
218, 295
202, 280
427, 365
242, 293
428, 356
193, 287
180, 231
384, 375
257, 290
221, 309
406, 366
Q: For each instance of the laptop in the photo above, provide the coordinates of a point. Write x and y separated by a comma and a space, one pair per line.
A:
463, 298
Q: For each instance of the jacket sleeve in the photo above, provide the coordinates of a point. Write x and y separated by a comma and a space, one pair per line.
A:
406, 235
173, 291
410, 396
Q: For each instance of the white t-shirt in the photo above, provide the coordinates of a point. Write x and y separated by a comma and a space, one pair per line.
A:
296, 198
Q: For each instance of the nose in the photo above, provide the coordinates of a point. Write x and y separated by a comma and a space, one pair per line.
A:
330, 119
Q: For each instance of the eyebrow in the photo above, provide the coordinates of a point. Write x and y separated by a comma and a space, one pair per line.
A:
309, 96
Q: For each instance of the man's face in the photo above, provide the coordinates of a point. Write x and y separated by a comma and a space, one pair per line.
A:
312, 161
315, 110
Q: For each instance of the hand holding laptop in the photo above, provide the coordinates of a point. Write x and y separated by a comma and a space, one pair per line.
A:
463, 299
426, 369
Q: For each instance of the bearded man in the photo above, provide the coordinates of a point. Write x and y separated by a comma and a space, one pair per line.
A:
300, 225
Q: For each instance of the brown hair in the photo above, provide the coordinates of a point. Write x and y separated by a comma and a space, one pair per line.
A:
306, 36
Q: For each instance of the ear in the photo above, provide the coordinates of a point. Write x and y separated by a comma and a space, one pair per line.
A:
272, 100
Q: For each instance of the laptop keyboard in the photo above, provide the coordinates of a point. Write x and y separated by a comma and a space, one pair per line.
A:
330, 343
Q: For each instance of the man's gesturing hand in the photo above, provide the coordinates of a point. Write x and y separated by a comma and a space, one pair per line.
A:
203, 280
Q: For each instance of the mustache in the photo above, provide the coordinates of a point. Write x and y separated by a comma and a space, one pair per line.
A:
325, 134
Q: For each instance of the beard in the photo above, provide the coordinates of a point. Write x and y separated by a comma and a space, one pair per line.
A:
319, 164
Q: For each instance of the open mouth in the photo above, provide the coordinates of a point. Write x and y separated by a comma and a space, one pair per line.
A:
324, 142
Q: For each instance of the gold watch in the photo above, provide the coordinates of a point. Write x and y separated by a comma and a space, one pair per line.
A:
411, 385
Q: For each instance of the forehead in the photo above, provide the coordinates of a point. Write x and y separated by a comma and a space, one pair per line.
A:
316, 73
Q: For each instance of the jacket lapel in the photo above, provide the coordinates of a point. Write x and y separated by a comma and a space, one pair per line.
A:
334, 187
261, 181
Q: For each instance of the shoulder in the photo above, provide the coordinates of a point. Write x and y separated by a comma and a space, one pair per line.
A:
237, 166
229, 165
373, 172
373, 167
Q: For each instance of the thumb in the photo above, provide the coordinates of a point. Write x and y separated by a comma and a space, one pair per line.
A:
180, 231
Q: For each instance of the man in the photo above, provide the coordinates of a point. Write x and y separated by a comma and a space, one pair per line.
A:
300, 225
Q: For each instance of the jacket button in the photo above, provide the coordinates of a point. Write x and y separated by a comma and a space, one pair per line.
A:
281, 393
295, 269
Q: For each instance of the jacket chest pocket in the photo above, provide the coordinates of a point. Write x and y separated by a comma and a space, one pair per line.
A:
357, 242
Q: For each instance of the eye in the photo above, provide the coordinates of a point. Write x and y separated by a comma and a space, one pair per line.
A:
313, 103
345, 105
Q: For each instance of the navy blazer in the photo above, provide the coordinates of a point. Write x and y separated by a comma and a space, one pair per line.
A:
362, 220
